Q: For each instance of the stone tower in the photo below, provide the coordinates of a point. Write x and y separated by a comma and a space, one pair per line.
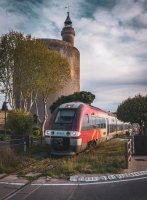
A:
66, 48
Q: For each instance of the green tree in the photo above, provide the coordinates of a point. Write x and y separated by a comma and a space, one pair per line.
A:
30, 71
83, 96
8, 44
20, 122
134, 110
52, 77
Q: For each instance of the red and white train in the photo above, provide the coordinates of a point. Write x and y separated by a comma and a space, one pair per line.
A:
74, 126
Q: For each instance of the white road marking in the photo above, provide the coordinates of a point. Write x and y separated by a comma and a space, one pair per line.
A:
11, 183
75, 180
107, 177
92, 183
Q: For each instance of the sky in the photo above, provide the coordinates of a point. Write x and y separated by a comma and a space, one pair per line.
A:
111, 36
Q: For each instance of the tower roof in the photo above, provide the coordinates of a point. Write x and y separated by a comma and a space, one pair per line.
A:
68, 32
68, 21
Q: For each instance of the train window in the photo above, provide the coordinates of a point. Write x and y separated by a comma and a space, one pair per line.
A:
100, 122
103, 123
113, 128
65, 116
85, 120
93, 119
86, 123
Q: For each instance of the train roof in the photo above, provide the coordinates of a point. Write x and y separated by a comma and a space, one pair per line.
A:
76, 104
71, 105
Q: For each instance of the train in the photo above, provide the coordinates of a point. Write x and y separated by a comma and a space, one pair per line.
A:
75, 126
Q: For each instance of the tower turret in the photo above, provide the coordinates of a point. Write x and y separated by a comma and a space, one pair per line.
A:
68, 32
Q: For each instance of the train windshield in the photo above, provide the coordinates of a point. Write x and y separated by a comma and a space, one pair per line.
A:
64, 119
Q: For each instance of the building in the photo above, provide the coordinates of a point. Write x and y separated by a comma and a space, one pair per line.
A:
66, 48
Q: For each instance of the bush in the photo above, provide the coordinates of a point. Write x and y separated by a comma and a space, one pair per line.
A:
36, 132
20, 122
4, 137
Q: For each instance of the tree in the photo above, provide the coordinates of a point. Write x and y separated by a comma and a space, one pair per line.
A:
8, 44
83, 96
52, 77
134, 110
20, 122
29, 70
27, 58
32, 70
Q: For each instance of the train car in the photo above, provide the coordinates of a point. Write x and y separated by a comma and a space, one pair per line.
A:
75, 126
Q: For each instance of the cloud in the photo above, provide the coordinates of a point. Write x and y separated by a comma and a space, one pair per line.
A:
109, 97
110, 35
9, 21
115, 54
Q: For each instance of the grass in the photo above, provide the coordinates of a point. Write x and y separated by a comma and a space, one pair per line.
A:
106, 158
10, 161
38, 148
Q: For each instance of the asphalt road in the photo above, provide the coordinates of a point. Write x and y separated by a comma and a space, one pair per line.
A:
135, 189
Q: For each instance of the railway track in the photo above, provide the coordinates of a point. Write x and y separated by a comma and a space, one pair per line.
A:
35, 166
47, 165
39, 167
21, 169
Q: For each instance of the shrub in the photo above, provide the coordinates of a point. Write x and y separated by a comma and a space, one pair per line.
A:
36, 132
20, 122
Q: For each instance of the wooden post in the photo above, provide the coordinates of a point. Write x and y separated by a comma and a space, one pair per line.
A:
25, 147
132, 146
31, 142
126, 155
128, 152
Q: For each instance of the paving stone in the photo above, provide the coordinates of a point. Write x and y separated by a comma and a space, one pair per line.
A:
14, 179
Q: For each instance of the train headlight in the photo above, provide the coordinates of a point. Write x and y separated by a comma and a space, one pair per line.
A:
48, 133
75, 133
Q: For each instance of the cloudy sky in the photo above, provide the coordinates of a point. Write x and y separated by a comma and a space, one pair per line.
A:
111, 36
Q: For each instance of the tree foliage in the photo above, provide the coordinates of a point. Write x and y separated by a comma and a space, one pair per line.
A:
134, 110
8, 44
53, 76
20, 122
29, 70
83, 96
27, 55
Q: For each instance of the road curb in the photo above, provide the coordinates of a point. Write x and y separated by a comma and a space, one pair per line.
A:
86, 178
113, 177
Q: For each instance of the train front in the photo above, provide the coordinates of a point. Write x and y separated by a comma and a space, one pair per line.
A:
63, 135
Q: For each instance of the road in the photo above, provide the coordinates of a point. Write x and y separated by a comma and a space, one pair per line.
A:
126, 189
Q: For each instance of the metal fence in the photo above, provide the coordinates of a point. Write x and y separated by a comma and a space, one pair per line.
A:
21, 143
11, 143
